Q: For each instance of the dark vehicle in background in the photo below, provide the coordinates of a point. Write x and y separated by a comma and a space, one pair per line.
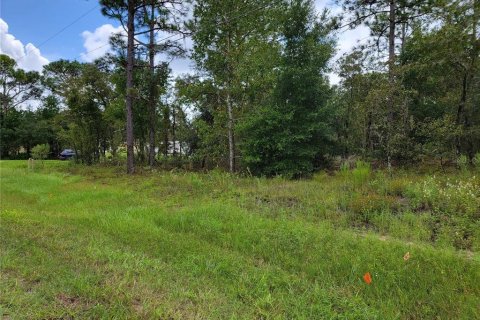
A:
66, 154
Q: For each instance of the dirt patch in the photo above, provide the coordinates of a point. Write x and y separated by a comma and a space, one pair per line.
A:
288, 202
71, 302
137, 306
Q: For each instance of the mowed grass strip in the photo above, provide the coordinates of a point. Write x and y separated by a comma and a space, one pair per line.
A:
77, 247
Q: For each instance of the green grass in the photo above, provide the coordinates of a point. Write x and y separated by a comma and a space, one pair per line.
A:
93, 243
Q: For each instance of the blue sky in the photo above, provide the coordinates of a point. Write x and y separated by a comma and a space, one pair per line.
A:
34, 21
25, 25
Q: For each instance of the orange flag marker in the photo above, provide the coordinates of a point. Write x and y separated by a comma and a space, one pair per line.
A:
367, 278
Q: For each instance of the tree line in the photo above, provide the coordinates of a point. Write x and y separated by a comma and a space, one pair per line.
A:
259, 99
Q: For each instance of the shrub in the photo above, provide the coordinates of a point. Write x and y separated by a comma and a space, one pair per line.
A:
40, 151
476, 161
462, 162
170, 162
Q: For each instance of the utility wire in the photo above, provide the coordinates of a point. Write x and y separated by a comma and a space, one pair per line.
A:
69, 25
60, 31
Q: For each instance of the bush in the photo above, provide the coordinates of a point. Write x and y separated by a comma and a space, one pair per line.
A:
476, 161
18, 156
40, 151
170, 162
462, 162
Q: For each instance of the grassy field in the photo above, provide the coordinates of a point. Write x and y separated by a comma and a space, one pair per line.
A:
93, 243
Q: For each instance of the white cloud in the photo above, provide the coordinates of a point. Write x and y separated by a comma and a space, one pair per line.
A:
33, 59
96, 43
28, 57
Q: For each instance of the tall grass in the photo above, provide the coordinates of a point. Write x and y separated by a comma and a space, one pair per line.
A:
91, 243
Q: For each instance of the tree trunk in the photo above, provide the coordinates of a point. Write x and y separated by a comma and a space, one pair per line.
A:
174, 135
475, 53
391, 76
166, 125
391, 39
231, 141
463, 115
368, 133
152, 95
404, 36
129, 96
5, 101
463, 100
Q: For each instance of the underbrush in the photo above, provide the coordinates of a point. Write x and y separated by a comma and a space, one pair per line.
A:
440, 209
443, 210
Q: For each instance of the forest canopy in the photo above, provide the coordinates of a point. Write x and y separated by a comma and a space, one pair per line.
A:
259, 99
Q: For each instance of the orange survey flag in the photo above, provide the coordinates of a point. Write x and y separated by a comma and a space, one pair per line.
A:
367, 278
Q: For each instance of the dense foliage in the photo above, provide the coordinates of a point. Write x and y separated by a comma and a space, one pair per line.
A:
286, 136
259, 100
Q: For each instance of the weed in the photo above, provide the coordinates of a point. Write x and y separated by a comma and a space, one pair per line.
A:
361, 173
